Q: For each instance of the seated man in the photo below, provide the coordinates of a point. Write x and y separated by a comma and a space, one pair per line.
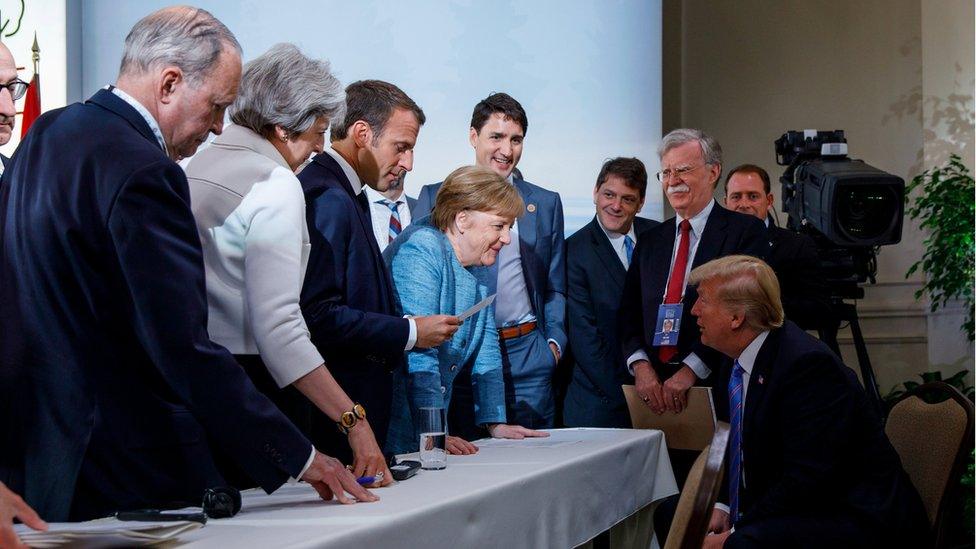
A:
808, 464
792, 256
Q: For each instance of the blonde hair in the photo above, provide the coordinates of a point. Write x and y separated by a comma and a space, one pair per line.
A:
478, 189
746, 283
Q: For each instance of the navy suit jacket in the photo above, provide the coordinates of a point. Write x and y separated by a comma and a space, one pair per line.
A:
348, 300
103, 337
542, 249
726, 233
596, 283
812, 443
794, 259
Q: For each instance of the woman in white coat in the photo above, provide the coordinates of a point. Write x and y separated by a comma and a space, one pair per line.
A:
250, 212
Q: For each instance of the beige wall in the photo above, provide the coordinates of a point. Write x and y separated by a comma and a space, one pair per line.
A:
747, 71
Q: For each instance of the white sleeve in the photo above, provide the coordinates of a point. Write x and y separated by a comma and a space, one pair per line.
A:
697, 365
639, 354
274, 212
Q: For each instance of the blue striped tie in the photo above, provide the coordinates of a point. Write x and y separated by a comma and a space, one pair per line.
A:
395, 226
735, 440
629, 248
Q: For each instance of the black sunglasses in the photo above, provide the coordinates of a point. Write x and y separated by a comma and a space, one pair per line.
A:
17, 88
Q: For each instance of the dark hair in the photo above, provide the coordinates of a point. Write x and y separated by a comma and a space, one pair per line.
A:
631, 170
749, 168
373, 101
501, 103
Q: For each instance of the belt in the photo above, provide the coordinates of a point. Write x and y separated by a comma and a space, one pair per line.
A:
516, 331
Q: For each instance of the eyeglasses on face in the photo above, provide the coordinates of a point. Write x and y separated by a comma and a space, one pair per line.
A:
664, 175
17, 88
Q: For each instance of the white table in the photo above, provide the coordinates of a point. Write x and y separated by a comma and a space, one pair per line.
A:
555, 492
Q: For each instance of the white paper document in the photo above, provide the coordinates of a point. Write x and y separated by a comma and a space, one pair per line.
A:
477, 307
107, 532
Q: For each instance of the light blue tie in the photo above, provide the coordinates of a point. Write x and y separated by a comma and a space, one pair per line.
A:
735, 439
629, 248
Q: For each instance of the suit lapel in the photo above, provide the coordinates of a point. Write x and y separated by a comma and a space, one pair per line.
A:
528, 223
660, 258
760, 378
712, 238
604, 251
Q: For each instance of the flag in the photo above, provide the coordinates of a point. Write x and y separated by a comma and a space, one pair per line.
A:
32, 105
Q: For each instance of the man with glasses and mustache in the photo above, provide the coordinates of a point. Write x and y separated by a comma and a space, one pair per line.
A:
16, 88
666, 364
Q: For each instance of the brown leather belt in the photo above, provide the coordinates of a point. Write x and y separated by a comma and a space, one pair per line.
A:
516, 331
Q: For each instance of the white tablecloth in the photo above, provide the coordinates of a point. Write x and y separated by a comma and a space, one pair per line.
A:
554, 492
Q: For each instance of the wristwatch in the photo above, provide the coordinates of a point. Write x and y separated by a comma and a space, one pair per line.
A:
349, 419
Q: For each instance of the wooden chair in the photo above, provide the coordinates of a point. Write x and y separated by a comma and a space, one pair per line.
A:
701, 489
933, 442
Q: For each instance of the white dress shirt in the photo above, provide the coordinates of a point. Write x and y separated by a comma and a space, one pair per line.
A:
698, 222
357, 187
747, 359
617, 241
380, 214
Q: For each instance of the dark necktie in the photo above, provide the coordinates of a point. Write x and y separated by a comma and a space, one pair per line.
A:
676, 283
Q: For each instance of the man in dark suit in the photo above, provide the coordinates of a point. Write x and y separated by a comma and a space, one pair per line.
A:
656, 285
104, 352
597, 257
347, 298
530, 308
808, 463
792, 256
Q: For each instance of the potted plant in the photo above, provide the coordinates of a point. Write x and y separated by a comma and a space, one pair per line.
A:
946, 209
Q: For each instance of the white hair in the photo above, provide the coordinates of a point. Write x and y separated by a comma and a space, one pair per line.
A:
285, 88
710, 149
187, 37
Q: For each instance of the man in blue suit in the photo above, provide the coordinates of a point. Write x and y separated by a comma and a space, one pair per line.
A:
104, 354
530, 309
597, 258
347, 298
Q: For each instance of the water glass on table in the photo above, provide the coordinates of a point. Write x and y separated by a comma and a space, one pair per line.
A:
433, 438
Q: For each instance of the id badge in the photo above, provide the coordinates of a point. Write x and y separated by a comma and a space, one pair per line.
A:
668, 324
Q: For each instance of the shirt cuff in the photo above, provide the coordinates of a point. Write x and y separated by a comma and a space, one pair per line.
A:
412, 336
311, 458
558, 348
697, 366
639, 354
723, 507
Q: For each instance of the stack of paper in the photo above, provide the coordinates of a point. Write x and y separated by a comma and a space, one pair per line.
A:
108, 532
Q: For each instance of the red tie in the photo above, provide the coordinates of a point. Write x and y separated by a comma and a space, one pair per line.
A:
676, 283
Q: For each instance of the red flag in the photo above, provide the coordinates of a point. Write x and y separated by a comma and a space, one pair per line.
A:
32, 105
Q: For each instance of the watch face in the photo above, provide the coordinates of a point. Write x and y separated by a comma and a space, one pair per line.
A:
347, 419
359, 411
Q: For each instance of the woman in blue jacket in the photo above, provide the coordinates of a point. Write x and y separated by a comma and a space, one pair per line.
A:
438, 266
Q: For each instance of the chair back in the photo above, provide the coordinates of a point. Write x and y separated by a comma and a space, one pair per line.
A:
932, 441
698, 497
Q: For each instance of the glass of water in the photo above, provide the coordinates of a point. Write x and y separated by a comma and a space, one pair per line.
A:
432, 425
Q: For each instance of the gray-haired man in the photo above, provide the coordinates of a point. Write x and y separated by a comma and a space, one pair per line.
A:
103, 297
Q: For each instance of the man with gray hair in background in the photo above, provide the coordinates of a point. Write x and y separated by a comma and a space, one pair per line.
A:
666, 364
104, 351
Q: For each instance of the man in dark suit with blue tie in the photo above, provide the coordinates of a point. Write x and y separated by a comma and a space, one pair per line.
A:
530, 308
104, 355
656, 286
808, 463
347, 298
597, 258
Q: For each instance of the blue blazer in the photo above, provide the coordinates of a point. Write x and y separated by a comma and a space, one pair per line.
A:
347, 300
542, 248
104, 352
726, 233
430, 280
596, 283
